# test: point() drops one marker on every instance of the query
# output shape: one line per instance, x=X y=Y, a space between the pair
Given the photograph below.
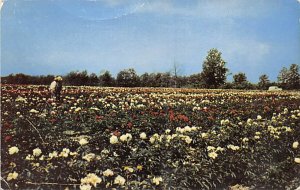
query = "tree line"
x=213 y=75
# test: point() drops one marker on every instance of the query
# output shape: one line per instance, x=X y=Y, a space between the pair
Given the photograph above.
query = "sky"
x=40 y=37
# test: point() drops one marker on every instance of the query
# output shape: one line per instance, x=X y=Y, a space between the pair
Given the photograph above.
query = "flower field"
x=149 y=138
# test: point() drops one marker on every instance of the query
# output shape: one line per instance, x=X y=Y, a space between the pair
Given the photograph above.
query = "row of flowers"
x=149 y=138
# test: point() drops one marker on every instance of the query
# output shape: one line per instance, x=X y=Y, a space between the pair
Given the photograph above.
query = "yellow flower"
x=12 y=176
x=119 y=180
x=37 y=152
x=13 y=150
x=89 y=157
x=113 y=139
x=295 y=144
x=85 y=187
x=83 y=142
x=108 y=172
x=157 y=180
x=128 y=169
x=297 y=160
x=213 y=155
x=143 y=136
x=91 y=179
x=139 y=167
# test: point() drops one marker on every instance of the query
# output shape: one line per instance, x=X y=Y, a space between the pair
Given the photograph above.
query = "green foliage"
x=182 y=128
x=128 y=78
x=264 y=82
x=289 y=78
x=214 y=70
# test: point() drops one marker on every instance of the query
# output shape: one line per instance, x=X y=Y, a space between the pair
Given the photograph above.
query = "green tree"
x=283 y=77
x=264 y=82
x=239 y=78
x=93 y=79
x=214 y=70
x=106 y=79
x=128 y=78
x=293 y=80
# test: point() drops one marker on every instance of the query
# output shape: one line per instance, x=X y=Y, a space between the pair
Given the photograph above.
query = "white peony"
x=36 y=152
x=83 y=142
x=143 y=136
x=295 y=144
x=108 y=172
x=12 y=176
x=157 y=180
x=119 y=180
x=113 y=139
x=13 y=150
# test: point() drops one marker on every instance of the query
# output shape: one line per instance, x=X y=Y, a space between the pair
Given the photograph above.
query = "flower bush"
x=149 y=138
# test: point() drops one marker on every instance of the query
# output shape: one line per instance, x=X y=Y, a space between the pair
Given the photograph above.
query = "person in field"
x=55 y=88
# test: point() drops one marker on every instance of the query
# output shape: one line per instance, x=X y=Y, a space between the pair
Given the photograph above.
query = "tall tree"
x=106 y=79
x=239 y=78
x=214 y=70
x=293 y=80
x=283 y=77
x=93 y=79
x=264 y=82
x=128 y=78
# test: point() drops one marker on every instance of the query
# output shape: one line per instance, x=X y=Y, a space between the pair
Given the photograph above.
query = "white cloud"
x=298 y=1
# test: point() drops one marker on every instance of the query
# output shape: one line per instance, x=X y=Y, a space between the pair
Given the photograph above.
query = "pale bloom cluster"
x=89 y=157
x=113 y=139
x=213 y=155
x=85 y=187
x=245 y=140
x=259 y=117
x=33 y=111
x=225 y=122
x=233 y=147
x=12 y=176
x=154 y=138
x=186 y=129
x=143 y=135
x=83 y=142
x=65 y=152
x=37 y=152
x=119 y=180
x=13 y=150
x=53 y=154
x=129 y=169
x=91 y=179
x=204 y=135
x=297 y=160
x=126 y=138
x=295 y=144
x=108 y=172
x=212 y=151
x=157 y=180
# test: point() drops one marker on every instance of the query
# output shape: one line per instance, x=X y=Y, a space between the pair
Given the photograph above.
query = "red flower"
x=7 y=138
x=99 y=117
x=117 y=133
x=129 y=124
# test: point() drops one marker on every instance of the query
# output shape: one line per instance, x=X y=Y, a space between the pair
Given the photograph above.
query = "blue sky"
x=58 y=36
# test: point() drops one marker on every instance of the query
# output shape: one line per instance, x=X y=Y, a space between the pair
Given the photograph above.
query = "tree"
x=214 y=70
x=128 y=78
x=283 y=77
x=264 y=82
x=239 y=78
x=77 y=78
x=145 y=80
x=289 y=78
x=106 y=79
x=93 y=79
x=293 y=80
